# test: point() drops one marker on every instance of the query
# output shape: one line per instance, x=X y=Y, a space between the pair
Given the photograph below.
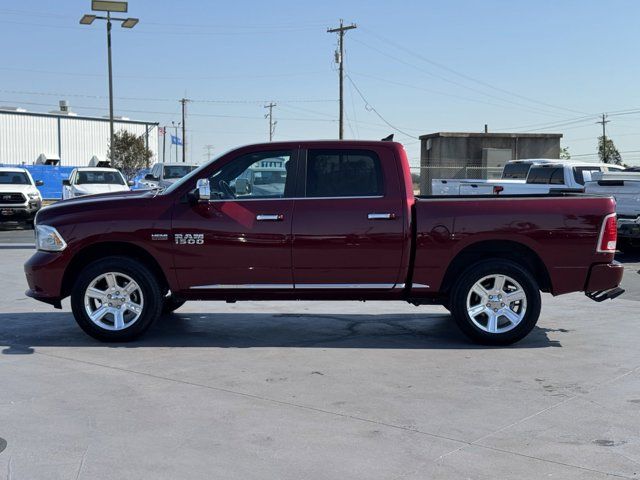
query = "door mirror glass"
x=39 y=183
x=149 y=176
x=203 y=191
x=66 y=182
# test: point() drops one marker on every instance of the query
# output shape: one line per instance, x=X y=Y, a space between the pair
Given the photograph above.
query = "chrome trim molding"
x=247 y=286
x=419 y=285
x=345 y=286
x=301 y=286
x=216 y=200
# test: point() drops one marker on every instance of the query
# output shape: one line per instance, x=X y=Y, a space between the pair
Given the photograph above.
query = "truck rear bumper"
x=603 y=277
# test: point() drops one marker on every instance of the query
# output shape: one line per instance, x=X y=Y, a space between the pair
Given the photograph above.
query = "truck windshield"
x=516 y=171
x=172 y=172
x=14 y=178
x=99 y=177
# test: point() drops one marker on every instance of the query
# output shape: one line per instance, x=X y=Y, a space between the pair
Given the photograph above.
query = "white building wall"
x=24 y=137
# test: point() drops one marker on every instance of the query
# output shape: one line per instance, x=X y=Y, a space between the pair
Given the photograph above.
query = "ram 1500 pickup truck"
x=343 y=225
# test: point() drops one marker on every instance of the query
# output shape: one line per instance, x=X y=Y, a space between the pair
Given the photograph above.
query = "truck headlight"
x=48 y=239
x=34 y=196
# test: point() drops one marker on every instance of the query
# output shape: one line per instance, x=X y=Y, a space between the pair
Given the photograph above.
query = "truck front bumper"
x=45 y=274
x=604 y=280
x=25 y=211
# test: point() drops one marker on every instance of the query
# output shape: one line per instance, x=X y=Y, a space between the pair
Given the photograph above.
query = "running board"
x=603 y=295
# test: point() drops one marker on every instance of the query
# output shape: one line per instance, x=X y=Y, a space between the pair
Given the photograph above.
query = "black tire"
x=476 y=272
x=149 y=288
x=171 y=304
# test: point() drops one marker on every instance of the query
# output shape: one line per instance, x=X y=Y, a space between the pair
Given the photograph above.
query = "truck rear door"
x=348 y=226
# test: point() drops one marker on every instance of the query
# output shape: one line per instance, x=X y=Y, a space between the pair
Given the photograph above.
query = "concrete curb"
x=17 y=245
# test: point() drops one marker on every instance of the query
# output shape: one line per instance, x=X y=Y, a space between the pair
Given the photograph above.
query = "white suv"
x=19 y=197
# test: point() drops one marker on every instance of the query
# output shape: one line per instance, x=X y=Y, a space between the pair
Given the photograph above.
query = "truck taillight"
x=608 y=235
x=497 y=189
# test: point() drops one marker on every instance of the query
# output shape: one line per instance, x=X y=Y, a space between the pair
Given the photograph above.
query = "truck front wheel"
x=116 y=299
x=496 y=302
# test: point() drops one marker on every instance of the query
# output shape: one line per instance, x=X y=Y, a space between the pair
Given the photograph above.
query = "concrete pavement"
x=318 y=390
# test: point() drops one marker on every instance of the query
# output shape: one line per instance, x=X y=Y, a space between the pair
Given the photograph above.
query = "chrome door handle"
x=270 y=217
x=381 y=216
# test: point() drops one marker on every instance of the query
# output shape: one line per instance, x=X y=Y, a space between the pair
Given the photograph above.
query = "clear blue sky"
x=423 y=66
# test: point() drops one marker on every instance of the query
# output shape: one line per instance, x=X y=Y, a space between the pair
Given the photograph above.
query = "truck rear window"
x=553 y=175
x=343 y=173
x=516 y=171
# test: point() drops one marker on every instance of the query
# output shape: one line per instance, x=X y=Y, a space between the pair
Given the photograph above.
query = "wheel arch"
x=503 y=249
x=101 y=250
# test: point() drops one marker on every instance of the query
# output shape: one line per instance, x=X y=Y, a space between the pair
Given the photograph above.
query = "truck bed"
x=563 y=244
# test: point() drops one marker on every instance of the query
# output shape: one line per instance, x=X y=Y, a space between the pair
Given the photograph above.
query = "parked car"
x=163 y=175
x=345 y=225
x=531 y=176
x=625 y=188
x=19 y=198
x=92 y=181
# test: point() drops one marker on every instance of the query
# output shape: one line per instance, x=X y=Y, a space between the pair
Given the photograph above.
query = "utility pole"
x=209 y=148
x=272 y=124
x=184 y=101
x=175 y=127
x=603 y=122
x=164 y=144
x=339 y=60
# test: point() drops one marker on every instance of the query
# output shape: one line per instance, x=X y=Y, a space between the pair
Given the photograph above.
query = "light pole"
x=109 y=6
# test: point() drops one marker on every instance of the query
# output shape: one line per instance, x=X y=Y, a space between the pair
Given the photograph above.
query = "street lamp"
x=109 y=6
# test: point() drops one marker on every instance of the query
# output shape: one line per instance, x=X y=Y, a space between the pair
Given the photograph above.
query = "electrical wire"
x=371 y=108
x=463 y=75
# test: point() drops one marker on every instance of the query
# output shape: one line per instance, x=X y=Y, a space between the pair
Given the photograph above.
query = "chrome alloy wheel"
x=113 y=301
x=496 y=303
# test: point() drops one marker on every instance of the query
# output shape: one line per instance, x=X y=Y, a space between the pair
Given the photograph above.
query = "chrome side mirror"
x=203 y=189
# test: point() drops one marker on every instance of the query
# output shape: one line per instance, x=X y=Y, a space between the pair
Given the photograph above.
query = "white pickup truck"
x=625 y=188
x=527 y=177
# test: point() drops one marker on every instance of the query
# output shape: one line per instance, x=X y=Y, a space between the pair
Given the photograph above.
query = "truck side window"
x=343 y=173
x=583 y=174
x=543 y=175
x=253 y=176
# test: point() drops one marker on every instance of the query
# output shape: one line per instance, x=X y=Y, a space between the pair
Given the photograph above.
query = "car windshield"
x=14 y=178
x=172 y=172
x=90 y=177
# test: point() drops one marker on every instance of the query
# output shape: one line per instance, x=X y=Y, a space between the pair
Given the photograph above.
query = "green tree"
x=608 y=152
x=564 y=153
x=129 y=153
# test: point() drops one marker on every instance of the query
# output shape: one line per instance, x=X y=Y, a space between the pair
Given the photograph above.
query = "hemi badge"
x=159 y=236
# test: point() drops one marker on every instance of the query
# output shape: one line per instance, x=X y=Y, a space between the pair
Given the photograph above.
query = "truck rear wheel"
x=116 y=299
x=496 y=302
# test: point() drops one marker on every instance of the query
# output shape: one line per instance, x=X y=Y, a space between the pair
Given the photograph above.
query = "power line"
x=370 y=108
x=465 y=76
x=459 y=84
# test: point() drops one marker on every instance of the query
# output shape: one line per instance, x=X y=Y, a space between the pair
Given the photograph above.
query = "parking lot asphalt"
x=319 y=390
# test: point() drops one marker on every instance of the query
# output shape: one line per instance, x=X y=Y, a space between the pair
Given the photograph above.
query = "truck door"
x=241 y=239
x=348 y=227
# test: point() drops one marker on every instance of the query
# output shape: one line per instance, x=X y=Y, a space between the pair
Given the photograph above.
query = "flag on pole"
x=175 y=140
x=161 y=131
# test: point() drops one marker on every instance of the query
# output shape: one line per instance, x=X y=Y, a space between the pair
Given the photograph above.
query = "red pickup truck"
x=320 y=220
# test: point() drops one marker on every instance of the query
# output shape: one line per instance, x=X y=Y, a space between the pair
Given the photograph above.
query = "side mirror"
x=131 y=183
x=150 y=177
x=242 y=186
x=65 y=182
x=39 y=183
x=203 y=190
